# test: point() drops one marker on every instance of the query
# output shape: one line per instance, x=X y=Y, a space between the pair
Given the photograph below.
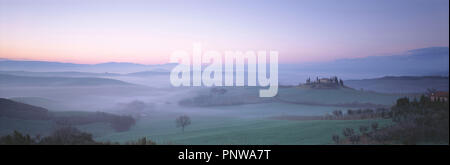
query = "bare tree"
x=183 y=121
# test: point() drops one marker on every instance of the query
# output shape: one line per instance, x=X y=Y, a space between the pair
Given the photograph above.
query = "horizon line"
x=125 y=62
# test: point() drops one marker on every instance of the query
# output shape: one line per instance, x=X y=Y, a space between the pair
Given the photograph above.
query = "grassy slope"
x=246 y=131
x=238 y=124
x=401 y=84
x=327 y=97
x=41 y=102
x=335 y=96
x=13 y=80
x=204 y=129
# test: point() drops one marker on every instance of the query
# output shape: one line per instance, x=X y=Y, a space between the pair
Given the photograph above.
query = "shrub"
x=17 y=139
x=348 y=132
x=68 y=136
x=336 y=138
x=63 y=136
x=354 y=139
x=141 y=141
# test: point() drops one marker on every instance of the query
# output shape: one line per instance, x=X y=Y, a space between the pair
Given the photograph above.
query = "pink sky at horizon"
x=146 y=32
x=163 y=60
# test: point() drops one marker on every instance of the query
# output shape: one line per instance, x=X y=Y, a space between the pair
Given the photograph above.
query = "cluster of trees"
x=216 y=96
x=118 y=123
x=361 y=114
x=216 y=99
x=420 y=120
x=63 y=136
x=352 y=137
x=222 y=97
x=135 y=108
x=141 y=141
x=122 y=123
x=332 y=82
x=415 y=122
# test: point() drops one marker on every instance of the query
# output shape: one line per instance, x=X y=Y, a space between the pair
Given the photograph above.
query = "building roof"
x=440 y=94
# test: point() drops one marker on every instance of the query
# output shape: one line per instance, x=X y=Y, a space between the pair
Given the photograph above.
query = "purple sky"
x=94 y=31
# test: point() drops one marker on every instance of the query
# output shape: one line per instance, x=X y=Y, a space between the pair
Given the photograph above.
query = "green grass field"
x=231 y=124
x=220 y=125
x=242 y=131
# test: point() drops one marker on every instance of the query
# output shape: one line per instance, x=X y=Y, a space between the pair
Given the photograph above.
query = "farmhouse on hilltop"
x=332 y=82
x=439 y=96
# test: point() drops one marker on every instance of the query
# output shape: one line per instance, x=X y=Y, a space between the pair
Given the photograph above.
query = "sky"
x=147 y=32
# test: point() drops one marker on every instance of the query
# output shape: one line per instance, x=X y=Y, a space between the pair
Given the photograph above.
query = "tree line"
x=63 y=136
x=415 y=121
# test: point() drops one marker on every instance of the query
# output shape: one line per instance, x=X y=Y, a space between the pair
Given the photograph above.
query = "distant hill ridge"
x=423 y=61
x=411 y=77
x=47 y=66
x=12 y=109
x=13 y=80
x=401 y=84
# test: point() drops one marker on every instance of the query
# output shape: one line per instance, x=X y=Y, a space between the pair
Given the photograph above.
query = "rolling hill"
x=59 y=74
x=14 y=114
x=401 y=84
x=13 y=80
x=47 y=66
x=417 y=62
x=12 y=109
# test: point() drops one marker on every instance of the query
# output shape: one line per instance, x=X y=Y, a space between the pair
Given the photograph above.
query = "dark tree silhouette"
x=354 y=139
x=348 y=132
x=183 y=121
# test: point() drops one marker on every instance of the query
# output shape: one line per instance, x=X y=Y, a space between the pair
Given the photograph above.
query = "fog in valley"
x=121 y=102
